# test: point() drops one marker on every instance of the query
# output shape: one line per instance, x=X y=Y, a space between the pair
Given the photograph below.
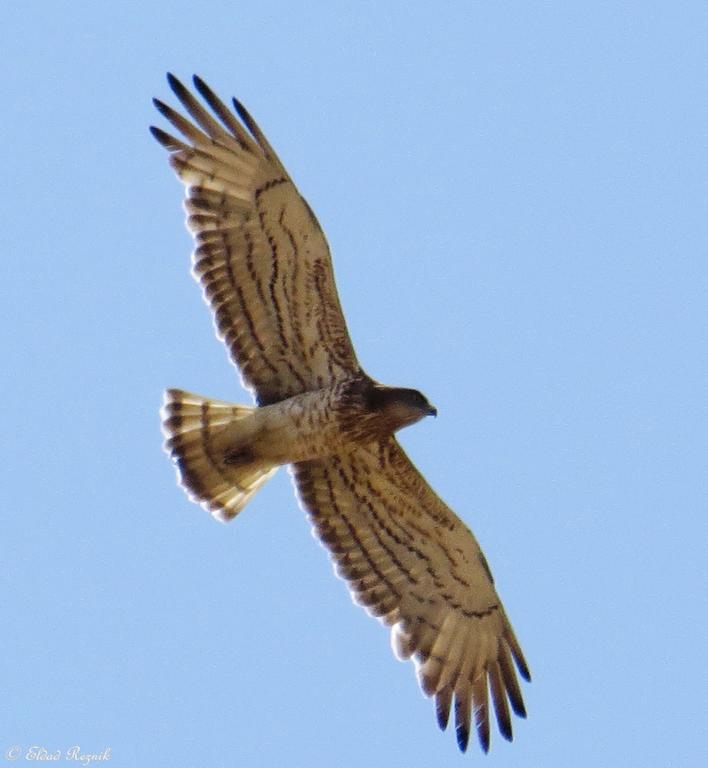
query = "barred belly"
x=310 y=426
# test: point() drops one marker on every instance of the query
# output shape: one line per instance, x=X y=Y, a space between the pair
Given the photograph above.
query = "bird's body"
x=337 y=419
x=266 y=272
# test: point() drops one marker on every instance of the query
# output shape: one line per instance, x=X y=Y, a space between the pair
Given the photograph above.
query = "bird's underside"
x=265 y=269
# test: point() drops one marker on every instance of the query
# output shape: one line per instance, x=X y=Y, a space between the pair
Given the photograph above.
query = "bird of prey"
x=265 y=269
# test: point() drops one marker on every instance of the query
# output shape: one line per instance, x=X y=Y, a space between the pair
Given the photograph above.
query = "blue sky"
x=516 y=199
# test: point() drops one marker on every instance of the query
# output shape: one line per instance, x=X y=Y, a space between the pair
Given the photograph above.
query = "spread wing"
x=261 y=256
x=412 y=562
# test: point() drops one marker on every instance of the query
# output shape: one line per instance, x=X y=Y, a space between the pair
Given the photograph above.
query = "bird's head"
x=399 y=407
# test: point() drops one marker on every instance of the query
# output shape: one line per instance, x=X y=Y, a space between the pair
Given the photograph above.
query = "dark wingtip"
x=481 y=717
x=519 y=707
x=200 y=85
x=177 y=88
x=160 y=135
x=248 y=121
x=463 y=736
x=505 y=730
x=161 y=107
x=240 y=110
x=442 y=709
x=523 y=669
x=518 y=655
x=483 y=733
x=165 y=139
x=207 y=94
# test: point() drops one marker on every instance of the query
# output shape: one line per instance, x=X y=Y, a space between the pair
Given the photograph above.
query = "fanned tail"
x=209 y=442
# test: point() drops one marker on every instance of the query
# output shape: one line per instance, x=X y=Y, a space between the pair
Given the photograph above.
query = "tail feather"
x=208 y=442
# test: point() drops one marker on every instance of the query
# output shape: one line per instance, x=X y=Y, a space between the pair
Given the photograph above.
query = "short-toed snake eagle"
x=265 y=269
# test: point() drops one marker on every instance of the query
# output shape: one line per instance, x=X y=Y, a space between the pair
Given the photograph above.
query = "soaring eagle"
x=266 y=272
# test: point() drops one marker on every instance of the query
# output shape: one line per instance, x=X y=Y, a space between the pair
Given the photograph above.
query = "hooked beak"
x=432 y=411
